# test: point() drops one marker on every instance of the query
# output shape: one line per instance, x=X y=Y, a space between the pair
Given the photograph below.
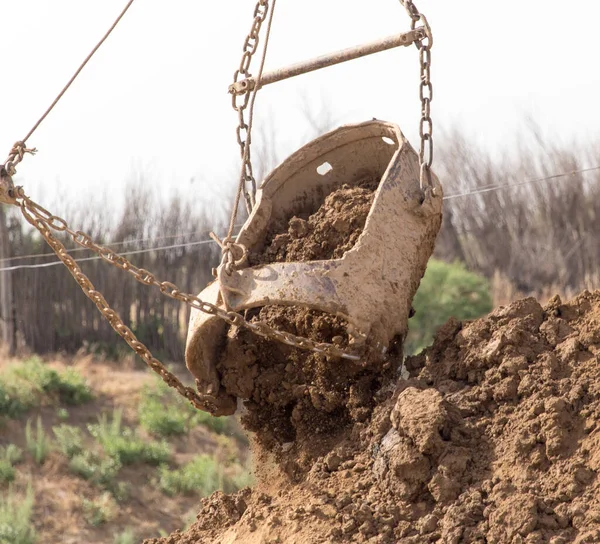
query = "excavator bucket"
x=371 y=286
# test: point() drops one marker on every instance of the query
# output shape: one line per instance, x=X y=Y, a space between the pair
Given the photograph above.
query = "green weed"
x=9 y=456
x=446 y=290
x=98 y=511
x=89 y=466
x=124 y=445
x=23 y=385
x=125 y=537
x=69 y=439
x=202 y=475
x=39 y=444
x=15 y=518
x=12 y=453
x=219 y=425
x=62 y=413
x=69 y=386
x=7 y=471
x=13 y=403
x=160 y=418
x=164 y=413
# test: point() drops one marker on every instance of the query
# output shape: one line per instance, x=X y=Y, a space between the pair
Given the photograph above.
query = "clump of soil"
x=294 y=397
x=299 y=399
x=326 y=234
x=495 y=438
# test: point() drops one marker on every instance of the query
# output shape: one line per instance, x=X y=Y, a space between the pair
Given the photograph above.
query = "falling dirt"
x=296 y=400
x=494 y=438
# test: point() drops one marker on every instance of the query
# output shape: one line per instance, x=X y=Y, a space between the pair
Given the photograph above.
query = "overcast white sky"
x=154 y=98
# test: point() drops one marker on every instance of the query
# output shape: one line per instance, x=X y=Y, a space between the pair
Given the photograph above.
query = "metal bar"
x=398 y=40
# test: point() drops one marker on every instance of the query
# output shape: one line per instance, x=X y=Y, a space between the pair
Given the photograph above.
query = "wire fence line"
x=124 y=254
x=499 y=187
x=51 y=314
x=470 y=192
x=109 y=244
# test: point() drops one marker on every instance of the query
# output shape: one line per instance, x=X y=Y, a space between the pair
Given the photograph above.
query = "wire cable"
x=490 y=188
x=137 y=240
x=471 y=192
x=134 y=252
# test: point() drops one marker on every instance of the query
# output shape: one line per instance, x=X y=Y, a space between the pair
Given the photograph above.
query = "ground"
x=490 y=435
x=98 y=494
x=493 y=438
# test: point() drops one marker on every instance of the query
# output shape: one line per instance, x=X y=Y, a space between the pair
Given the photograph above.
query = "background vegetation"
x=536 y=238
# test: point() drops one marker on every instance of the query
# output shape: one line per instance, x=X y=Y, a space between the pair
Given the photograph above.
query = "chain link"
x=425 y=92
x=240 y=101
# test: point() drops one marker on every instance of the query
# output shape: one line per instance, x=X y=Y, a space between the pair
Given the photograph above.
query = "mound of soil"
x=495 y=438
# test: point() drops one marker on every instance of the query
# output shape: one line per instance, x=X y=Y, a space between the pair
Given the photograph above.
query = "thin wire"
x=81 y=67
x=137 y=240
x=489 y=188
x=472 y=192
x=134 y=252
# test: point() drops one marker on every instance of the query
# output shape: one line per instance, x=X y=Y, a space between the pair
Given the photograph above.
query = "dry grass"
x=536 y=239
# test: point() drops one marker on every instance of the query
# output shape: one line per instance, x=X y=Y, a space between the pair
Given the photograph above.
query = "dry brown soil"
x=296 y=399
x=494 y=438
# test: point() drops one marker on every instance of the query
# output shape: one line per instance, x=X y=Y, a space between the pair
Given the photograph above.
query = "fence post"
x=7 y=307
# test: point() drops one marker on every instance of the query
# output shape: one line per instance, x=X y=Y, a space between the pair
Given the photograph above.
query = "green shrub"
x=68 y=386
x=7 y=471
x=163 y=412
x=98 y=511
x=124 y=445
x=15 y=518
x=9 y=456
x=69 y=439
x=219 y=425
x=62 y=413
x=22 y=385
x=446 y=290
x=100 y=472
x=160 y=418
x=11 y=403
x=125 y=537
x=12 y=453
x=39 y=444
x=202 y=475
x=73 y=389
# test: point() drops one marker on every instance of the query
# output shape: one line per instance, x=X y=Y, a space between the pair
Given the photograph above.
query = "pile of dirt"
x=495 y=438
x=296 y=399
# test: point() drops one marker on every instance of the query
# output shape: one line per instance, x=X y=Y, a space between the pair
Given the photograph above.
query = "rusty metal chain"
x=425 y=92
x=240 y=102
x=45 y=222
x=32 y=214
x=18 y=151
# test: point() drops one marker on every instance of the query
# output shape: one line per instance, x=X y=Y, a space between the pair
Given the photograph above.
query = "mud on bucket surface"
x=338 y=242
